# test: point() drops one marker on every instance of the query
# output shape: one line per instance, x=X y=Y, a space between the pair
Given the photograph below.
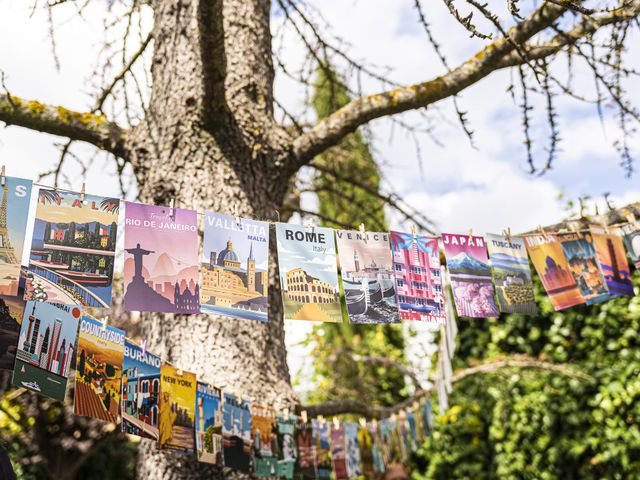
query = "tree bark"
x=213 y=147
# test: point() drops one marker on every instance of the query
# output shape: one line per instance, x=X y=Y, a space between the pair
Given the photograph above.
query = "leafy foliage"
x=535 y=424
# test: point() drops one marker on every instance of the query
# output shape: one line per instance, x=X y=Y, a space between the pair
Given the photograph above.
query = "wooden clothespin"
x=374 y=424
x=309 y=225
x=277 y=215
x=363 y=232
x=105 y=321
x=413 y=231
x=631 y=218
x=172 y=203
x=82 y=193
x=507 y=233
x=320 y=418
x=303 y=416
x=179 y=371
x=574 y=229
x=3 y=178
x=236 y=214
x=143 y=346
x=363 y=422
x=470 y=236
x=336 y=423
x=543 y=232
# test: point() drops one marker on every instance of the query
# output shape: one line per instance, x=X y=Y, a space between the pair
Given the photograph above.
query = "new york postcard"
x=366 y=269
x=140 y=392
x=470 y=273
x=46 y=347
x=11 y=313
x=161 y=259
x=209 y=424
x=98 y=370
x=613 y=262
x=234 y=275
x=263 y=426
x=73 y=249
x=236 y=433
x=308 y=273
x=511 y=274
x=550 y=262
x=177 y=410
x=581 y=256
x=14 y=211
x=418 y=277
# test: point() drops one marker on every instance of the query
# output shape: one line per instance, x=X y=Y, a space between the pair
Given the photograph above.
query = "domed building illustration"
x=226 y=284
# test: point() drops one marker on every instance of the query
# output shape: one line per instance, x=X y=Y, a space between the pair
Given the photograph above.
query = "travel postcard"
x=140 y=392
x=366 y=269
x=354 y=459
x=265 y=441
x=177 y=410
x=287 y=448
x=550 y=262
x=98 y=370
x=321 y=442
x=236 y=433
x=306 y=466
x=338 y=453
x=14 y=211
x=308 y=273
x=470 y=274
x=234 y=275
x=209 y=424
x=631 y=237
x=613 y=261
x=46 y=348
x=73 y=249
x=418 y=277
x=161 y=259
x=11 y=313
x=581 y=256
x=511 y=274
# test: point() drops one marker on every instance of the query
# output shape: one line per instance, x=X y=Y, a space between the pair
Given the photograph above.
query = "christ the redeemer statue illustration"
x=138 y=253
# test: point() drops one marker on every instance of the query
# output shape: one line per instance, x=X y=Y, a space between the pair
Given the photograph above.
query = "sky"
x=458 y=186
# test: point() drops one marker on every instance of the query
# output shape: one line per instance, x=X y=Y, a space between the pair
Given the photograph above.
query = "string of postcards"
x=386 y=277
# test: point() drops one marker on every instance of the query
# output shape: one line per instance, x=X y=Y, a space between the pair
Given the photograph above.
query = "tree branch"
x=498 y=54
x=56 y=120
x=357 y=407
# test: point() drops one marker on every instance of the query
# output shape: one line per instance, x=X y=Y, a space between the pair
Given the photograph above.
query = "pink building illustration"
x=416 y=267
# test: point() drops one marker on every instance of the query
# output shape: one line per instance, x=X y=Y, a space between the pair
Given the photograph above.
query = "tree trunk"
x=216 y=151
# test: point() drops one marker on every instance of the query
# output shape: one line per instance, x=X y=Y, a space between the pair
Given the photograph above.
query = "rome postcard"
x=234 y=275
x=308 y=273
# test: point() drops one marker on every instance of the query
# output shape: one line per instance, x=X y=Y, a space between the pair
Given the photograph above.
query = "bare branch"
x=499 y=54
x=332 y=129
x=56 y=120
x=360 y=408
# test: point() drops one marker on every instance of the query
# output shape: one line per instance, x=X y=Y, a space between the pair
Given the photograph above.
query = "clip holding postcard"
x=3 y=178
x=320 y=418
x=171 y=207
x=143 y=346
x=105 y=321
x=236 y=215
x=470 y=236
x=507 y=234
x=543 y=232
x=277 y=212
x=362 y=230
x=363 y=422
x=413 y=231
x=309 y=225
x=179 y=371
x=336 y=423
x=574 y=229
x=82 y=193
x=303 y=416
x=631 y=218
